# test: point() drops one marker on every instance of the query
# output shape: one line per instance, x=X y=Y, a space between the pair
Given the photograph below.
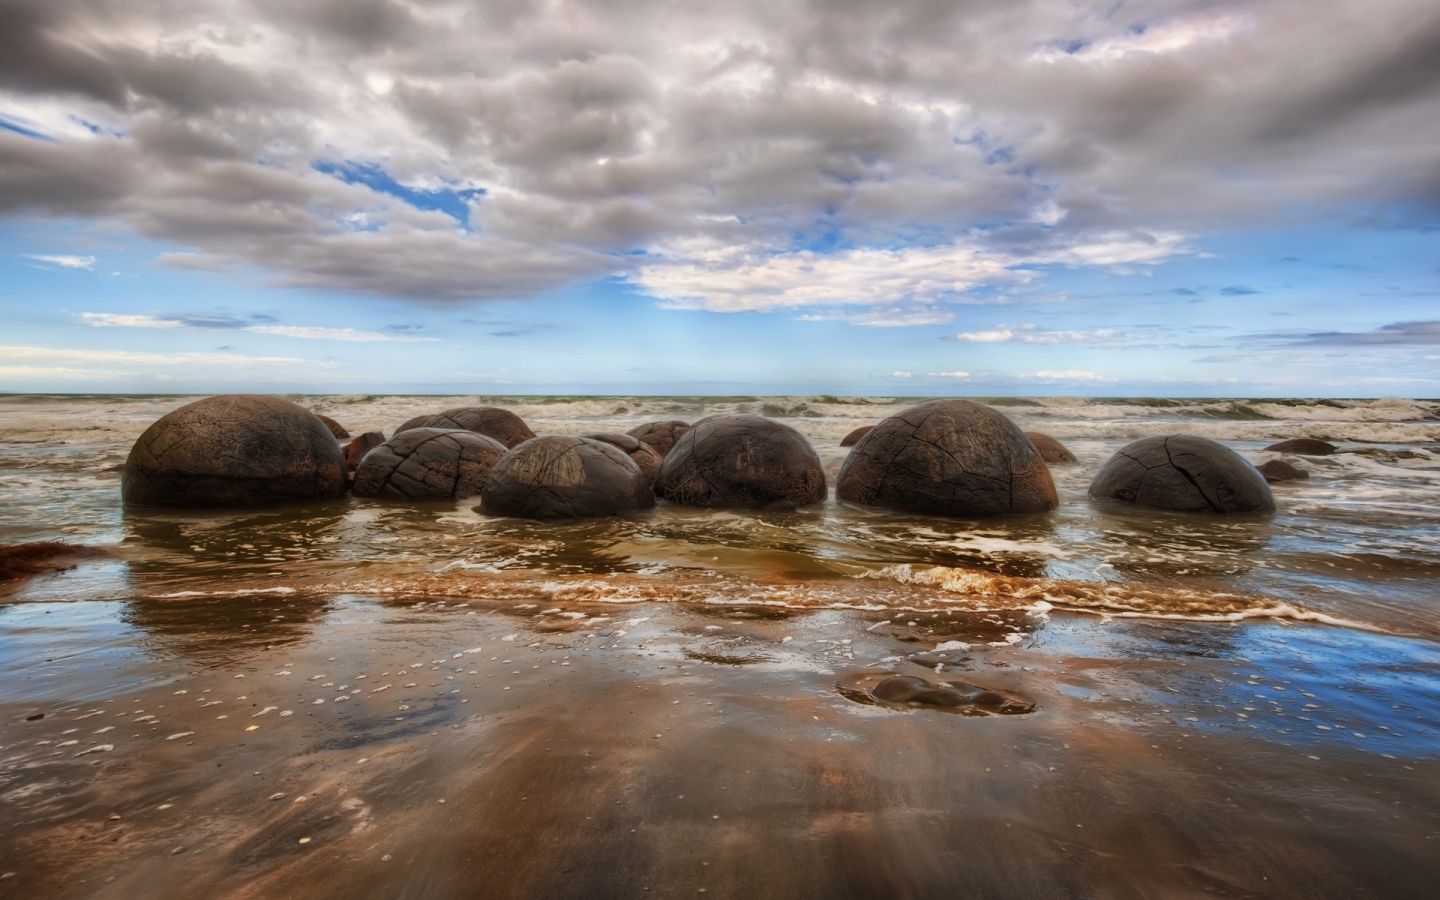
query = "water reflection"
x=1153 y=544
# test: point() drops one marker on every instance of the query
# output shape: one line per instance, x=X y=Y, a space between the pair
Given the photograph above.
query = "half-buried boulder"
x=742 y=462
x=361 y=445
x=948 y=458
x=1050 y=450
x=660 y=435
x=415 y=422
x=642 y=454
x=1277 y=470
x=428 y=464
x=491 y=421
x=1304 y=447
x=565 y=477
x=234 y=450
x=854 y=437
x=1184 y=473
x=335 y=427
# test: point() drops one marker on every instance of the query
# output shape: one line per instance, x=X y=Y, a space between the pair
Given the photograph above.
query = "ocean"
x=1300 y=648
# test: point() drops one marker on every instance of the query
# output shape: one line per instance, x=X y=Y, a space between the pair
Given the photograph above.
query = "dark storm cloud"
x=666 y=143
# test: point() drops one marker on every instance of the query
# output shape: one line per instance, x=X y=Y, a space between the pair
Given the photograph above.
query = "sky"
x=940 y=197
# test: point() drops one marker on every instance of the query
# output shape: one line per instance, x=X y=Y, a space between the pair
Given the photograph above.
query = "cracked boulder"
x=491 y=421
x=234 y=450
x=1183 y=473
x=948 y=458
x=642 y=454
x=742 y=462
x=1050 y=450
x=359 y=446
x=565 y=477
x=660 y=435
x=428 y=464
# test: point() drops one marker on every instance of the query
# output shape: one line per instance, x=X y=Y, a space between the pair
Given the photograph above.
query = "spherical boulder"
x=234 y=450
x=491 y=421
x=361 y=445
x=565 y=477
x=948 y=458
x=1277 y=470
x=742 y=462
x=854 y=437
x=642 y=454
x=1184 y=473
x=660 y=435
x=1050 y=450
x=1304 y=447
x=415 y=422
x=428 y=464
x=335 y=427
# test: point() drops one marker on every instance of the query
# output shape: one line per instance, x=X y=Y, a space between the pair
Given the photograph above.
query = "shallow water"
x=1220 y=706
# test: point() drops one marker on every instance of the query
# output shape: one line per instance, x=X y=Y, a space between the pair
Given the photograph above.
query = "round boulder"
x=360 y=446
x=642 y=454
x=234 y=450
x=428 y=464
x=1277 y=470
x=1304 y=447
x=491 y=421
x=335 y=427
x=948 y=458
x=565 y=477
x=1050 y=450
x=742 y=462
x=415 y=422
x=1184 y=473
x=854 y=437
x=660 y=435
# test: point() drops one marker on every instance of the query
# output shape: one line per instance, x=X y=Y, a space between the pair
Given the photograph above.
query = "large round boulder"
x=854 y=437
x=1278 y=470
x=1304 y=447
x=640 y=453
x=234 y=450
x=415 y=422
x=660 y=435
x=335 y=427
x=491 y=421
x=1184 y=473
x=742 y=462
x=428 y=464
x=948 y=458
x=565 y=477
x=1050 y=450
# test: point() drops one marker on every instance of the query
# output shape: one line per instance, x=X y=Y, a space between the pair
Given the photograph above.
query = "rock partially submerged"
x=1277 y=470
x=1184 y=473
x=948 y=458
x=952 y=695
x=1050 y=450
x=565 y=477
x=234 y=450
x=491 y=421
x=742 y=462
x=640 y=453
x=854 y=437
x=660 y=435
x=1304 y=447
x=428 y=464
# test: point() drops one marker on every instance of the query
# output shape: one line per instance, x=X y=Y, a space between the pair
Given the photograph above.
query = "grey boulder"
x=428 y=464
x=948 y=458
x=565 y=477
x=1184 y=473
x=742 y=462
x=234 y=450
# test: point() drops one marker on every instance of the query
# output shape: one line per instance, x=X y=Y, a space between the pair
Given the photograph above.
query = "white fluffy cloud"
x=307 y=332
x=66 y=261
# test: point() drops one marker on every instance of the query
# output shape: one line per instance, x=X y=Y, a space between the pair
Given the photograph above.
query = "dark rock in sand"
x=565 y=477
x=335 y=427
x=853 y=437
x=948 y=458
x=1304 y=447
x=234 y=450
x=642 y=454
x=491 y=421
x=660 y=435
x=428 y=464
x=1278 y=470
x=415 y=422
x=742 y=462
x=1185 y=473
x=953 y=696
x=360 y=446
x=1050 y=450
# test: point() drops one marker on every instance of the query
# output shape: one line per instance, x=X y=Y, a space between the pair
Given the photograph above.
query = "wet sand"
x=486 y=750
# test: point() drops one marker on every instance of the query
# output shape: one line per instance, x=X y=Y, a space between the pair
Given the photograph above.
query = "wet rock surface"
x=428 y=464
x=854 y=437
x=1303 y=447
x=491 y=421
x=642 y=454
x=948 y=458
x=335 y=427
x=234 y=450
x=414 y=422
x=742 y=462
x=660 y=435
x=1277 y=470
x=1183 y=473
x=565 y=477
x=1050 y=450
x=361 y=445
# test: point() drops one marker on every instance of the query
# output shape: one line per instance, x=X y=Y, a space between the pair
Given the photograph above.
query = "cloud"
x=900 y=374
x=1415 y=333
x=68 y=262
x=25 y=355
x=1046 y=376
x=307 y=332
x=960 y=376
x=1238 y=290
x=1030 y=334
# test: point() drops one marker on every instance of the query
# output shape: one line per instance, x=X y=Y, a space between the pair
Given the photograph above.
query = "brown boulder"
x=428 y=464
x=1050 y=450
x=415 y=422
x=1277 y=470
x=642 y=454
x=1304 y=447
x=948 y=458
x=565 y=477
x=1184 y=473
x=854 y=437
x=360 y=446
x=742 y=462
x=335 y=427
x=491 y=421
x=660 y=435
